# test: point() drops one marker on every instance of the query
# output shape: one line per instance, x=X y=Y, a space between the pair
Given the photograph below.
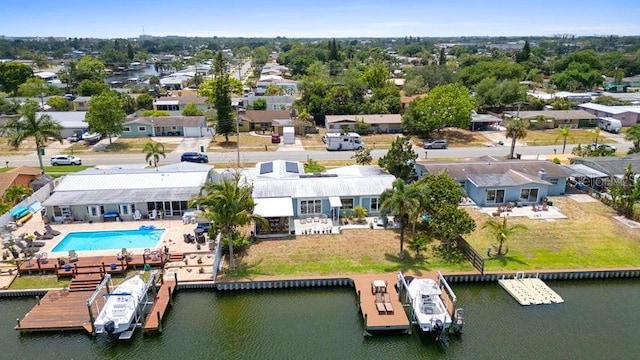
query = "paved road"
x=231 y=157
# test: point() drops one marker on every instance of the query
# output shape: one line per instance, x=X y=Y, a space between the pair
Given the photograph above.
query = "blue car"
x=194 y=157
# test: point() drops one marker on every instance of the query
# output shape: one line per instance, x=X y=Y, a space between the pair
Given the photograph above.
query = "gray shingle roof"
x=460 y=171
x=189 y=121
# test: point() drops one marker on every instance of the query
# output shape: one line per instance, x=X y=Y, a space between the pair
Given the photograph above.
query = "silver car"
x=436 y=144
x=65 y=160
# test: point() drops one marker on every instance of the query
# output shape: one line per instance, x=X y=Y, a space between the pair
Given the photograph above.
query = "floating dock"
x=374 y=320
x=530 y=290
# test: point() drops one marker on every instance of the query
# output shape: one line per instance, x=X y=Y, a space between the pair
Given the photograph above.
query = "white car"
x=65 y=160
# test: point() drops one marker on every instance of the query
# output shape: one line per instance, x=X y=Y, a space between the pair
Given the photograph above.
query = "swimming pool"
x=110 y=240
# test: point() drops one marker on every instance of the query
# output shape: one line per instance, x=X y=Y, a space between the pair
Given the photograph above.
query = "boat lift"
x=143 y=305
x=457 y=315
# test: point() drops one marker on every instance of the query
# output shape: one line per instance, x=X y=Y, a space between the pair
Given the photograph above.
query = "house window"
x=142 y=128
x=495 y=196
x=374 y=206
x=95 y=210
x=310 y=207
x=529 y=195
x=126 y=129
x=554 y=181
x=125 y=209
x=174 y=128
x=347 y=203
x=61 y=211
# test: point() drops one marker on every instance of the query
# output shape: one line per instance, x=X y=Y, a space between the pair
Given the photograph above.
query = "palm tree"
x=502 y=231
x=15 y=193
x=401 y=200
x=516 y=129
x=229 y=206
x=633 y=135
x=153 y=151
x=596 y=130
x=564 y=134
x=30 y=125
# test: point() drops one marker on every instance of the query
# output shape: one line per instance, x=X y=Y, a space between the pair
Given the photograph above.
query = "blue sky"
x=328 y=18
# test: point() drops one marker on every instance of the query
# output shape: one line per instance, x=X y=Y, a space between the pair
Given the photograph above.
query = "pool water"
x=110 y=240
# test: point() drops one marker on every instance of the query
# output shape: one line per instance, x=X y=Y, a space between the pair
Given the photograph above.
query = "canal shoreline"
x=348 y=280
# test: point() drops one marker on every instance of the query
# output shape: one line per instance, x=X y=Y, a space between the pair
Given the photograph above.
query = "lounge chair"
x=45 y=236
x=42 y=258
x=147 y=253
x=137 y=215
x=153 y=214
x=50 y=231
x=122 y=254
x=379 y=304
x=25 y=248
x=387 y=303
x=73 y=257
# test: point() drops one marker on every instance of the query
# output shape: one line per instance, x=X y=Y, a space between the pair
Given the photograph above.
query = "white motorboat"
x=121 y=307
x=428 y=308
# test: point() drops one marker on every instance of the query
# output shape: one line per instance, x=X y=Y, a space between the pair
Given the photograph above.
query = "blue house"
x=283 y=192
x=489 y=181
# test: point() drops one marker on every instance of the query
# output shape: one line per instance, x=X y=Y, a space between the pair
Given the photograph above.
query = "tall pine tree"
x=224 y=125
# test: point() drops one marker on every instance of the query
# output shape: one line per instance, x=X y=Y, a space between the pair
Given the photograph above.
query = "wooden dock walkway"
x=161 y=303
x=58 y=310
x=373 y=319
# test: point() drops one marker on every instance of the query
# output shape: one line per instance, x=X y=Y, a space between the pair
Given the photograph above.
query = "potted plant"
x=14 y=251
x=201 y=271
x=199 y=260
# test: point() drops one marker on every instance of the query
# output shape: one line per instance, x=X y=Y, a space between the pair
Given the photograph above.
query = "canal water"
x=598 y=320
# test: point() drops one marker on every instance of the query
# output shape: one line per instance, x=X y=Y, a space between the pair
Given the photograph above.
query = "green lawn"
x=589 y=238
x=38 y=282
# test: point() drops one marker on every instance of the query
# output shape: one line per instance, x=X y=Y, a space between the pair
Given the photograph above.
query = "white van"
x=343 y=141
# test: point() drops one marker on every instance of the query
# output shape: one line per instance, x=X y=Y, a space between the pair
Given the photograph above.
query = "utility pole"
x=238 y=124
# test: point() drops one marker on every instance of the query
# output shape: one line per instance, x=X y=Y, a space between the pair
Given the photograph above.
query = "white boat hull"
x=120 y=308
x=429 y=310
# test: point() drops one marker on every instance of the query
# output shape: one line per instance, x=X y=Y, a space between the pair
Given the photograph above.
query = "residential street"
x=231 y=157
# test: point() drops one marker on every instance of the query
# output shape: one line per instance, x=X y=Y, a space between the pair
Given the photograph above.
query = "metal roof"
x=132 y=180
x=315 y=187
x=580 y=170
x=510 y=178
x=108 y=196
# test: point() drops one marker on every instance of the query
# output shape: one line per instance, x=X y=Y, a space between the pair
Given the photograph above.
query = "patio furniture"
x=380 y=304
x=137 y=215
x=42 y=258
x=122 y=254
x=73 y=257
x=45 y=236
x=147 y=253
x=111 y=215
x=387 y=303
x=378 y=286
x=50 y=231
x=153 y=214
x=25 y=248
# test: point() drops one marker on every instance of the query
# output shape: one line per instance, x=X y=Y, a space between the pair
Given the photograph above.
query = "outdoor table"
x=378 y=286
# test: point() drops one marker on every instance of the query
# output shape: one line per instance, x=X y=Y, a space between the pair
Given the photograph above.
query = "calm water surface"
x=599 y=320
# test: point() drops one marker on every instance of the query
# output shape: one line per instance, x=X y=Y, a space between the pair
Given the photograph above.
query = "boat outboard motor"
x=110 y=327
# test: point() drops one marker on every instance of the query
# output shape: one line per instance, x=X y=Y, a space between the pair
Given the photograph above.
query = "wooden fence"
x=471 y=254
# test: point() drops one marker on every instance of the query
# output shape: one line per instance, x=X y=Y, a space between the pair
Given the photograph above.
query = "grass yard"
x=360 y=251
x=58 y=171
x=373 y=141
x=589 y=238
x=551 y=137
x=38 y=281
x=28 y=146
x=457 y=138
x=248 y=142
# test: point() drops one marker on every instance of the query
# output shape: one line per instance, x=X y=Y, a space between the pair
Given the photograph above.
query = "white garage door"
x=192 y=132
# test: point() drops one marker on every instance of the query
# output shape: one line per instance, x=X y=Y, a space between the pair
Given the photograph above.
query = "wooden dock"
x=373 y=319
x=58 y=310
x=161 y=303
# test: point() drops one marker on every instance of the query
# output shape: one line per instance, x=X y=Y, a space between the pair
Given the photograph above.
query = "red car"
x=275 y=138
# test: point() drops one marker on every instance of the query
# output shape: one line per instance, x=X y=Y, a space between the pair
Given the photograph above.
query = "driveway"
x=188 y=144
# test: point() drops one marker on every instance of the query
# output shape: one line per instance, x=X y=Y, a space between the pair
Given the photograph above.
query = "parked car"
x=65 y=160
x=194 y=157
x=602 y=147
x=436 y=144
x=275 y=138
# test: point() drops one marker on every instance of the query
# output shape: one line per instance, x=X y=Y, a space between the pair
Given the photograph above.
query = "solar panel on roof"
x=266 y=168
x=291 y=167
